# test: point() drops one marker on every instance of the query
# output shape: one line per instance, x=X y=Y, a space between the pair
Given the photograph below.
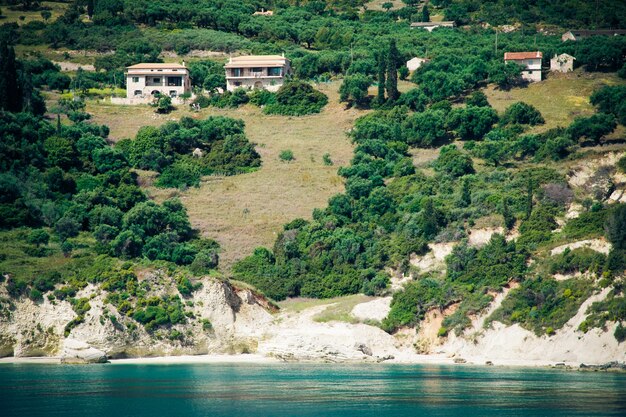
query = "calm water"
x=305 y=390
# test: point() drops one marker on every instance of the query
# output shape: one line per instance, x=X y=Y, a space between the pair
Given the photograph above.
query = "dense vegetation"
x=66 y=195
x=184 y=151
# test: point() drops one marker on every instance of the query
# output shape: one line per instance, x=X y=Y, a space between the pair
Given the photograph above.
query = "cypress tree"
x=509 y=218
x=10 y=94
x=466 y=193
x=90 y=8
x=425 y=14
x=382 y=67
x=392 y=71
x=529 y=199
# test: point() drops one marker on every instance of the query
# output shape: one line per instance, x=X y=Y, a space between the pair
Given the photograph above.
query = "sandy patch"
x=480 y=237
x=373 y=310
x=435 y=259
x=71 y=66
x=598 y=245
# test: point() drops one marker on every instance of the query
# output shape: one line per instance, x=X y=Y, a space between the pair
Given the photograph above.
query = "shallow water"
x=305 y=390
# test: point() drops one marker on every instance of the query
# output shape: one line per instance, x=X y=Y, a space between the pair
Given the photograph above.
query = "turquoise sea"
x=111 y=390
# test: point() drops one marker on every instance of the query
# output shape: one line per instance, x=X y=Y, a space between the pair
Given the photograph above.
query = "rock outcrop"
x=235 y=317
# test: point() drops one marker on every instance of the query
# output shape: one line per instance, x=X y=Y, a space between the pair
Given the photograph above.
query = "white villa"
x=562 y=63
x=430 y=26
x=256 y=72
x=415 y=63
x=143 y=81
x=531 y=61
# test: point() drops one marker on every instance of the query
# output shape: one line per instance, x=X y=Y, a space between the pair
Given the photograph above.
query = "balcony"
x=253 y=75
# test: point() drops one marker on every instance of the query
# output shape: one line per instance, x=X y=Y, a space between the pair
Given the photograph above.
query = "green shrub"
x=620 y=330
x=522 y=113
x=616 y=226
x=204 y=262
x=587 y=224
x=286 y=155
x=409 y=306
x=72 y=324
x=453 y=162
x=478 y=99
x=67 y=227
x=181 y=174
x=163 y=104
x=593 y=128
x=578 y=260
x=353 y=89
x=262 y=97
x=543 y=305
x=297 y=98
x=621 y=164
x=471 y=122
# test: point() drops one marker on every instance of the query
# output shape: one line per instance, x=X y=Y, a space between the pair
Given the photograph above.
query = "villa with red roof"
x=531 y=61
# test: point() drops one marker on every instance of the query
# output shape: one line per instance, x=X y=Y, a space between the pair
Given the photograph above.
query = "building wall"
x=272 y=84
x=557 y=66
x=147 y=87
x=531 y=75
x=414 y=64
x=251 y=80
x=532 y=70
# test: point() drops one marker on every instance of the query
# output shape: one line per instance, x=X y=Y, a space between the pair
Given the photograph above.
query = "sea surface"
x=112 y=390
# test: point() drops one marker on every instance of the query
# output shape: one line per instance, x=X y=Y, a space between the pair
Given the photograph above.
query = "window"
x=257 y=69
x=237 y=84
x=156 y=80
x=275 y=72
x=237 y=72
x=137 y=93
x=172 y=93
x=135 y=79
x=174 y=81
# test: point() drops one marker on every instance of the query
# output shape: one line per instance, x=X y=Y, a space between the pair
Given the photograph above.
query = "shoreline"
x=264 y=360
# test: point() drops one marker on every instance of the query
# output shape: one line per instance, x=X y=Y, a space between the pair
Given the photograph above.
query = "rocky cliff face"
x=220 y=319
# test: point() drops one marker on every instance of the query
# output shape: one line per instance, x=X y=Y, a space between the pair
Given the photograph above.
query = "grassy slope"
x=246 y=211
x=560 y=98
x=10 y=16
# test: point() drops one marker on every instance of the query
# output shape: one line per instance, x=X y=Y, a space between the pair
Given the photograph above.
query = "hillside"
x=456 y=210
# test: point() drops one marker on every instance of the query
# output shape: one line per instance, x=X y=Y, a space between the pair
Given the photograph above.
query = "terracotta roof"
x=157 y=66
x=514 y=56
x=257 y=61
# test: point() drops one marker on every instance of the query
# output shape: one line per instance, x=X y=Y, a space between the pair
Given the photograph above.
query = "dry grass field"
x=10 y=16
x=560 y=98
x=245 y=211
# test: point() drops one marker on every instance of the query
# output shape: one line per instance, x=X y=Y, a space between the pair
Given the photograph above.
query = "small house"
x=415 y=63
x=263 y=12
x=531 y=61
x=257 y=72
x=146 y=80
x=430 y=26
x=578 y=34
x=562 y=63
